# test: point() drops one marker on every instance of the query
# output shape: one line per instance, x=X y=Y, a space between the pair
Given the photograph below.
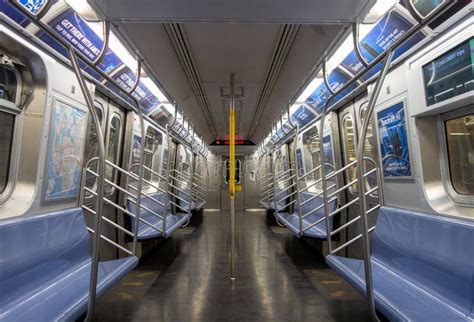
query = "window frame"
x=98 y=105
x=353 y=189
x=238 y=165
x=115 y=174
x=456 y=197
x=14 y=109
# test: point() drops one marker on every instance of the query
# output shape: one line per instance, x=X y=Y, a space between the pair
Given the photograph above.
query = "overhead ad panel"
x=302 y=116
x=126 y=78
x=384 y=34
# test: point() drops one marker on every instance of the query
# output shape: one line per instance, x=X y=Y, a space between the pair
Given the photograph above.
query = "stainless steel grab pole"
x=100 y=182
x=362 y=187
x=232 y=177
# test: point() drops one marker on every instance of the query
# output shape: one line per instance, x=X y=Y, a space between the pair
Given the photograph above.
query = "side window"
x=92 y=148
x=312 y=156
x=460 y=144
x=237 y=171
x=348 y=128
x=113 y=146
x=370 y=147
x=152 y=154
x=8 y=84
x=7 y=123
x=10 y=87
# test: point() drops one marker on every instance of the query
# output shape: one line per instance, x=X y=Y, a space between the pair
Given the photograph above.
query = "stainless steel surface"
x=100 y=183
x=232 y=193
x=362 y=185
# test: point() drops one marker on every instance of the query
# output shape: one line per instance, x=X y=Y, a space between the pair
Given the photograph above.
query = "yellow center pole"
x=232 y=177
x=232 y=153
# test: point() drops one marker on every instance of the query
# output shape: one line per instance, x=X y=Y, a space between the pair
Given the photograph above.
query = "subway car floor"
x=186 y=278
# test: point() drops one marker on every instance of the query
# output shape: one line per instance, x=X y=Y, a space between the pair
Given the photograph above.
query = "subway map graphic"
x=66 y=141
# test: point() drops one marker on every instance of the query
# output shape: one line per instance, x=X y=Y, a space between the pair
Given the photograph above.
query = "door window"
x=113 y=150
x=7 y=123
x=349 y=131
x=237 y=171
x=460 y=144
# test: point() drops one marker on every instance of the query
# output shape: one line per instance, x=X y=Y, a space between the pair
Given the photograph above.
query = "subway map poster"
x=66 y=144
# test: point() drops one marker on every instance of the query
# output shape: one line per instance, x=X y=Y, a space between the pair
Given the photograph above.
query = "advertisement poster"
x=14 y=14
x=126 y=79
x=302 y=116
x=33 y=6
x=336 y=79
x=319 y=97
x=66 y=144
x=384 y=34
x=393 y=138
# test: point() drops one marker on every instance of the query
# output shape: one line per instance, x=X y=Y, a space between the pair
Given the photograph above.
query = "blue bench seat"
x=173 y=221
x=264 y=204
x=422 y=267
x=291 y=220
x=45 y=267
x=198 y=205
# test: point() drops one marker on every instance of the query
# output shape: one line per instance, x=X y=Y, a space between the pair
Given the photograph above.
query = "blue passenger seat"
x=45 y=267
x=422 y=267
x=264 y=204
x=291 y=220
x=173 y=221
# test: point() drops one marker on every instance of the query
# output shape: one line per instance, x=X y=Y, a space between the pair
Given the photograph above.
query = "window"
x=8 y=84
x=237 y=171
x=10 y=87
x=113 y=146
x=92 y=148
x=312 y=157
x=370 y=148
x=350 y=149
x=460 y=144
x=7 y=122
x=152 y=154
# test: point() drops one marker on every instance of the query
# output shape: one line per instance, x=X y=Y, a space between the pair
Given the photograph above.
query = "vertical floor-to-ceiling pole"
x=232 y=176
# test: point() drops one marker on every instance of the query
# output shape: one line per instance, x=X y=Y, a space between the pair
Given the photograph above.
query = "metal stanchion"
x=232 y=177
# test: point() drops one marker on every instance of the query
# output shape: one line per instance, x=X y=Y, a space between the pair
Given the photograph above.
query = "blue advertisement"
x=336 y=79
x=393 y=138
x=69 y=26
x=280 y=132
x=384 y=34
x=33 y=6
x=319 y=97
x=126 y=79
x=302 y=116
x=14 y=14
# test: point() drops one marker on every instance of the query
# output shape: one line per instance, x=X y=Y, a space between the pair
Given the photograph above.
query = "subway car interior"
x=197 y=160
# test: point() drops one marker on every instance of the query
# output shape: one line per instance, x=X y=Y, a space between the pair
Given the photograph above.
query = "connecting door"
x=239 y=182
x=350 y=121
